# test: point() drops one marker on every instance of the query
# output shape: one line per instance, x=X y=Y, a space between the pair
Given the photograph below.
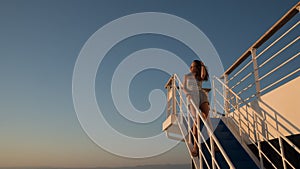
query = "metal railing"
x=269 y=62
x=178 y=105
x=251 y=123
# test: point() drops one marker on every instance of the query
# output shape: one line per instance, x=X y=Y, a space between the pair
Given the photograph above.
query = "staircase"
x=179 y=123
x=239 y=157
x=250 y=132
x=236 y=147
x=291 y=155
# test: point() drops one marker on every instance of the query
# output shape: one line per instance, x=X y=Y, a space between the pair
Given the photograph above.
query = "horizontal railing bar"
x=233 y=98
x=230 y=104
x=220 y=105
x=261 y=118
x=278 y=67
x=194 y=137
x=240 y=113
x=246 y=124
x=205 y=160
x=282 y=136
x=193 y=120
x=254 y=143
x=266 y=140
x=185 y=140
x=246 y=88
x=273 y=43
x=288 y=16
x=250 y=130
x=233 y=106
x=277 y=114
x=286 y=160
x=243 y=130
x=242 y=69
x=281 y=50
x=248 y=75
x=268 y=159
x=207 y=146
x=274 y=148
x=211 y=134
x=278 y=81
x=252 y=96
x=219 y=92
x=272 y=136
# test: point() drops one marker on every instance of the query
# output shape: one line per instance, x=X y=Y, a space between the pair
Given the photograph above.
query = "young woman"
x=192 y=86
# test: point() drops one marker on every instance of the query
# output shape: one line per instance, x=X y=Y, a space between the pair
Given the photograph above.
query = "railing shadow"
x=276 y=120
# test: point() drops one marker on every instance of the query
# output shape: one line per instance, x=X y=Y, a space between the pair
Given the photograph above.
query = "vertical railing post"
x=226 y=95
x=199 y=140
x=249 y=124
x=282 y=152
x=258 y=142
x=256 y=75
x=168 y=99
x=240 y=121
x=212 y=149
x=174 y=95
x=189 y=122
x=258 y=94
x=180 y=105
x=215 y=99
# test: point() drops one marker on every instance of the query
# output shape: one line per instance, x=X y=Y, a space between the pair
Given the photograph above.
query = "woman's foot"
x=195 y=152
x=216 y=148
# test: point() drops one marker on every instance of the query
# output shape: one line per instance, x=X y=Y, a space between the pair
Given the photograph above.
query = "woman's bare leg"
x=204 y=107
x=205 y=112
x=194 y=131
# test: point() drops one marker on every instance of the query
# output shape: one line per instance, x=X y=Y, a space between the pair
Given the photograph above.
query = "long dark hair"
x=199 y=64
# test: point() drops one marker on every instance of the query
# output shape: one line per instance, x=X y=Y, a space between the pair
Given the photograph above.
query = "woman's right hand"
x=188 y=96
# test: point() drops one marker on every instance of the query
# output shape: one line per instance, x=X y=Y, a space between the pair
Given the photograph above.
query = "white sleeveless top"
x=193 y=85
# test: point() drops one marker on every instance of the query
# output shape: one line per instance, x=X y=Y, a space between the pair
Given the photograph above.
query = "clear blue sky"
x=40 y=42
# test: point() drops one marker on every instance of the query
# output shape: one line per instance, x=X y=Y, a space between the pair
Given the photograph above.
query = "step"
x=232 y=147
x=290 y=154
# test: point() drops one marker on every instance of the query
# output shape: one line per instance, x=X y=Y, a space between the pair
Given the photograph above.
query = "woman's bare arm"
x=203 y=71
x=185 y=90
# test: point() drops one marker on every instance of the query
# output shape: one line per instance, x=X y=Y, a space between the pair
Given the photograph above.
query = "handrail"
x=290 y=14
x=280 y=52
x=181 y=102
x=260 y=101
x=278 y=67
x=260 y=133
x=278 y=39
x=257 y=115
x=208 y=127
x=278 y=81
x=243 y=79
x=236 y=104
